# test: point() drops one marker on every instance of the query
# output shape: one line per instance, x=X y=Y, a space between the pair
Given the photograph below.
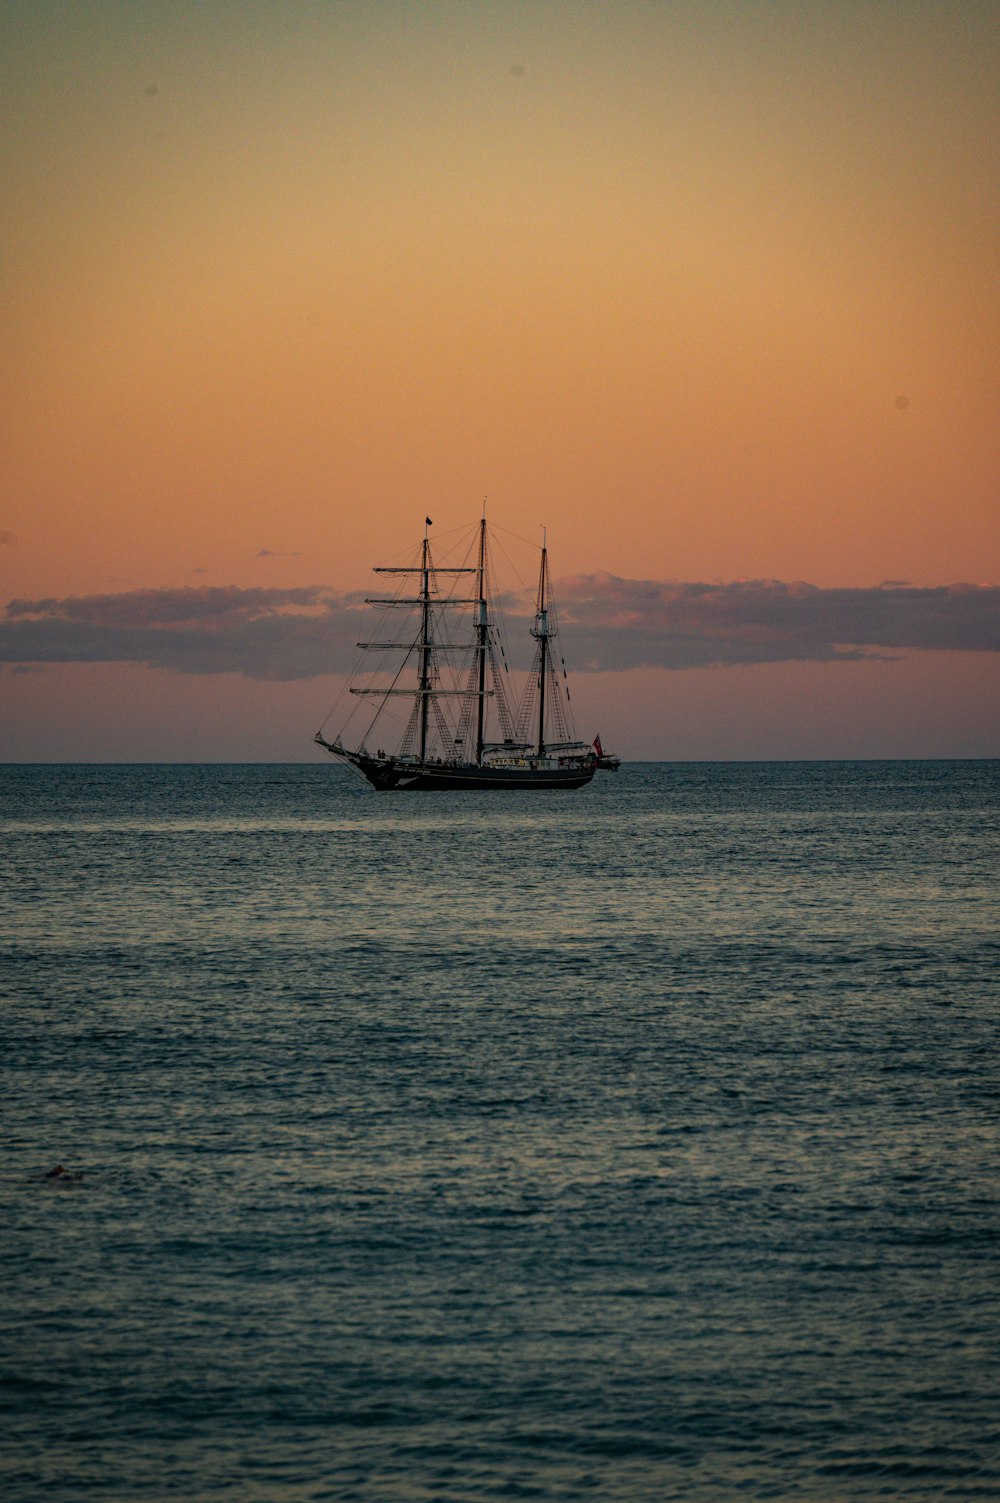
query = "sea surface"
x=639 y=1143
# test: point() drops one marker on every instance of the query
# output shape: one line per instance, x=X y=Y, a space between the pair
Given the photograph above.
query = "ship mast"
x=482 y=639
x=424 y=681
x=424 y=691
x=540 y=632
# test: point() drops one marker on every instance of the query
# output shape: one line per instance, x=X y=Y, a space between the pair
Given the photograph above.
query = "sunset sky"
x=708 y=289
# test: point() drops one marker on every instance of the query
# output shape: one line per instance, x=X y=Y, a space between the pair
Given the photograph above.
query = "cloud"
x=607 y=624
x=261 y=633
x=627 y=623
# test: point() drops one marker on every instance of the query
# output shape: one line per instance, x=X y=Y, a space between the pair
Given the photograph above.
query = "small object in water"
x=56 y=1173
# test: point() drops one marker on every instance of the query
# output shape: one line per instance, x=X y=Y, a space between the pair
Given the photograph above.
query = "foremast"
x=427 y=689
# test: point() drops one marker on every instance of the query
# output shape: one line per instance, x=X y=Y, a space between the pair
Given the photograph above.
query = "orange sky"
x=710 y=290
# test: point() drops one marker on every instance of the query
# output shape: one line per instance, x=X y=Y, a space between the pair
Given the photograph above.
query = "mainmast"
x=424 y=682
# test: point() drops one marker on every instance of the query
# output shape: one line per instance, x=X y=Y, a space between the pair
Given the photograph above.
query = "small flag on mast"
x=428 y=521
x=597 y=746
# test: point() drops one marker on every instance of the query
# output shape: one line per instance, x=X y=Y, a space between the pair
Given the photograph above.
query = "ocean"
x=639 y=1143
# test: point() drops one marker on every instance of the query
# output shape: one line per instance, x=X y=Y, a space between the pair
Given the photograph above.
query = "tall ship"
x=437 y=702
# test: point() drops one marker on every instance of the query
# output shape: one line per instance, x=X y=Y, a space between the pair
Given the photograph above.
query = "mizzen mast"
x=541 y=633
x=482 y=639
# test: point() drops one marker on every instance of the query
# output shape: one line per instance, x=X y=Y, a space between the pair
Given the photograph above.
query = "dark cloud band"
x=627 y=623
x=610 y=624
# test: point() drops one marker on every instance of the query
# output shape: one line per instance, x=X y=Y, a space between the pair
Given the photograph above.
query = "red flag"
x=597 y=746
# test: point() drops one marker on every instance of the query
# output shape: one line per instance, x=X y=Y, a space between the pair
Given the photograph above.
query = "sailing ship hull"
x=387 y=775
x=446 y=742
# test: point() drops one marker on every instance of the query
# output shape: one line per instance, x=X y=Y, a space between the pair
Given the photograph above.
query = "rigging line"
x=528 y=589
x=355 y=671
x=336 y=704
x=468 y=536
x=449 y=532
x=382 y=624
x=378 y=712
x=406 y=557
x=440 y=534
x=496 y=601
x=409 y=736
x=445 y=729
x=377 y=670
x=345 y=686
x=495 y=527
